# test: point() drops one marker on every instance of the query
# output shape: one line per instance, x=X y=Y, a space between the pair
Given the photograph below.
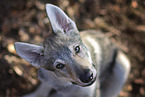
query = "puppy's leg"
x=42 y=91
x=115 y=81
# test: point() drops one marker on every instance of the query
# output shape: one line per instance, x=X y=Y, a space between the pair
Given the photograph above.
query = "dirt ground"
x=123 y=21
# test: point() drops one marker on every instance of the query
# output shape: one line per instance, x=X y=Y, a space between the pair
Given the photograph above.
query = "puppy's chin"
x=84 y=84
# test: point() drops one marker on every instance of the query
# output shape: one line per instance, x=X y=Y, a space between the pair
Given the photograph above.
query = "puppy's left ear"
x=30 y=52
x=60 y=22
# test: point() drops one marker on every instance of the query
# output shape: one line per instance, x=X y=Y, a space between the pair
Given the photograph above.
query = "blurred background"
x=123 y=21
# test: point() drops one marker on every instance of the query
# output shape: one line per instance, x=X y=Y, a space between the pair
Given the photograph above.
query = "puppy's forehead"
x=55 y=44
x=60 y=47
x=61 y=40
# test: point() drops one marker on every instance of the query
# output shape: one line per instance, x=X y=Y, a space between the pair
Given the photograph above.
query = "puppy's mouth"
x=79 y=83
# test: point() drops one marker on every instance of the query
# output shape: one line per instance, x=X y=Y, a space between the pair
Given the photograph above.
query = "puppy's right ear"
x=30 y=52
x=60 y=22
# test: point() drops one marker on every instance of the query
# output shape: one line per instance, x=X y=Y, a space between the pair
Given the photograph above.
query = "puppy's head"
x=69 y=58
x=63 y=52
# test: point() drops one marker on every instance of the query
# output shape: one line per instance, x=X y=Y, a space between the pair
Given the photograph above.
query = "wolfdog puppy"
x=73 y=64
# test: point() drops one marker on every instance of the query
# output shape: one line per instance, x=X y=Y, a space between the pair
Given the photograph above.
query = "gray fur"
x=99 y=69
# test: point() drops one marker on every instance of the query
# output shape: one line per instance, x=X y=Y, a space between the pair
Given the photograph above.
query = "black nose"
x=86 y=76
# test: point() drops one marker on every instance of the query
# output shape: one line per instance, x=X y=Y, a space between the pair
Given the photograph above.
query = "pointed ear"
x=30 y=52
x=60 y=22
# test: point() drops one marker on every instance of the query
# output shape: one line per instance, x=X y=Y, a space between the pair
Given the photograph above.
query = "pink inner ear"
x=64 y=22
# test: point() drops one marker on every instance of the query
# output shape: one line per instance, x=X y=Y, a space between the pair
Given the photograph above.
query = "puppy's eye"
x=60 y=66
x=77 y=49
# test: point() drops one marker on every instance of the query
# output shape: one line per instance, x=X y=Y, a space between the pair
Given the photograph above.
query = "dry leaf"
x=134 y=4
x=11 y=48
x=18 y=70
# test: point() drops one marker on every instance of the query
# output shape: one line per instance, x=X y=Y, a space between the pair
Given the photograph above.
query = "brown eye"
x=60 y=66
x=77 y=49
